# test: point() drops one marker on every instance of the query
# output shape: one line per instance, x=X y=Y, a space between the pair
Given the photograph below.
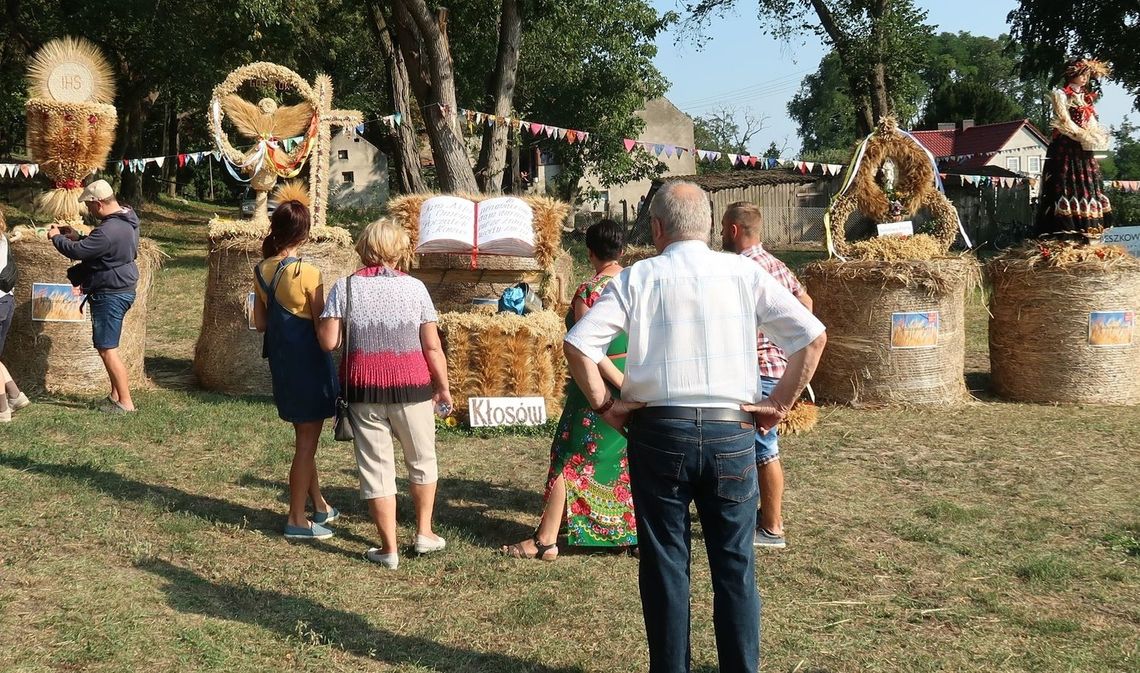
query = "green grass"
x=995 y=537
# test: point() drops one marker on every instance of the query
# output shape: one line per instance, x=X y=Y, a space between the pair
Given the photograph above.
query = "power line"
x=752 y=88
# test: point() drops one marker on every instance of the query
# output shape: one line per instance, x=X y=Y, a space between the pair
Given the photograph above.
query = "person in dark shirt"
x=108 y=275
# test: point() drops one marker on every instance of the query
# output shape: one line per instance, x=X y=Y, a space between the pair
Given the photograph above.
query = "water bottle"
x=442 y=409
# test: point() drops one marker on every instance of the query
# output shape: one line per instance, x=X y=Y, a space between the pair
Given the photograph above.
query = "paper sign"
x=485 y=412
x=904 y=228
x=915 y=330
x=1129 y=237
x=1111 y=328
x=57 y=302
x=249 y=301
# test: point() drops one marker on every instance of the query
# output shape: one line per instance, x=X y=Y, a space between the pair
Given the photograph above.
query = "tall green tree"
x=1054 y=31
x=880 y=44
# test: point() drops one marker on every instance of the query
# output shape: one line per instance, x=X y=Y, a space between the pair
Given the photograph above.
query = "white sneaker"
x=389 y=561
x=6 y=416
x=19 y=402
x=426 y=545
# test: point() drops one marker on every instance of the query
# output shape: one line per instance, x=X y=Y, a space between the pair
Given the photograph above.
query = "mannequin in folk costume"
x=1072 y=203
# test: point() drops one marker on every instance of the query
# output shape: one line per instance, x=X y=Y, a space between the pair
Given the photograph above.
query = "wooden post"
x=319 y=169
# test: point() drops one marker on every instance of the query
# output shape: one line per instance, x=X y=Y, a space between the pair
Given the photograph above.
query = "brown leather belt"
x=697 y=414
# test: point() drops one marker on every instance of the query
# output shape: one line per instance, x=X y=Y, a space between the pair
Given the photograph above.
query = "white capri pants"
x=374 y=426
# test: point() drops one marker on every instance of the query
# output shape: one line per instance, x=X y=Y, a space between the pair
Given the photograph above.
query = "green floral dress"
x=590 y=455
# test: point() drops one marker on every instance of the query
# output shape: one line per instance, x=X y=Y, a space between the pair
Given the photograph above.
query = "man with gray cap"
x=107 y=274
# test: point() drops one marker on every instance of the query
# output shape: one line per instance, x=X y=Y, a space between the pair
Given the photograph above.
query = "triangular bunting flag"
x=571 y=136
x=397 y=118
x=713 y=156
x=669 y=150
x=561 y=133
x=583 y=136
x=536 y=129
x=751 y=160
x=181 y=160
x=5 y=170
x=810 y=166
x=628 y=144
x=159 y=161
x=803 y=167
x=524 y=125
x=658 y=149
x=732 y=158
x=24 y=168
x=551 y=131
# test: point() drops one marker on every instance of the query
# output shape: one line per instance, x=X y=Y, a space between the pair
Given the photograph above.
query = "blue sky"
x=742 y=67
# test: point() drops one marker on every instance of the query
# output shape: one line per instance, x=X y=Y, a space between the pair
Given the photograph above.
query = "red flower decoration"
x=580 y=507
x=630 y=520
x=622 y=494
x=624 y=477
x=585 y=422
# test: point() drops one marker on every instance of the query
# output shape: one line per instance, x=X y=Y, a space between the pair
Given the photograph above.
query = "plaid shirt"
x=772 y=360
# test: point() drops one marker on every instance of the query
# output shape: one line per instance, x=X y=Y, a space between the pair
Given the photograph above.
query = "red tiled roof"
x=980 y=141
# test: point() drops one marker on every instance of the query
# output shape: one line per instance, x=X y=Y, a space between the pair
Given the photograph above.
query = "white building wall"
x=358 y=173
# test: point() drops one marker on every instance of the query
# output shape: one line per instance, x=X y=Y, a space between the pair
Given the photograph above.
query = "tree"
x=1124 y=161
x=823 y=109
x=1055 y=31
x=727 y=131
x=493 y=153
x=879 y=44
x=969 y=100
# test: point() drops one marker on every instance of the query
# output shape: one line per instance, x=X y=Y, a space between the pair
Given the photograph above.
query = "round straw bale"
x=452 y=283
x=57 y=357
x=1045 y=345
x=871 y=358
x=227 y=357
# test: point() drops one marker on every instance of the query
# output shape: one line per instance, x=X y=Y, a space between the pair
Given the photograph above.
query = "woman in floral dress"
x=588 y=482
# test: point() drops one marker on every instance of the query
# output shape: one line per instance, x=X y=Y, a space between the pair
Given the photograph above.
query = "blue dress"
x=304 y=380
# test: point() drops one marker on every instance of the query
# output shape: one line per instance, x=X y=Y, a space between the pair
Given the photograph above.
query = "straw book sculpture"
x=895 y=331
x=70 y=122
x=452 y=282
x=57 y=357
x=1063 y=324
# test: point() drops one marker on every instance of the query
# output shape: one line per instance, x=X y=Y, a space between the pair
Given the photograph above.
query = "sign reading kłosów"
x=485 y=412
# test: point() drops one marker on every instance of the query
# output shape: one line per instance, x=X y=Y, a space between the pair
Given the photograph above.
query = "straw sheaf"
x=504 y=355
x=76 y=50
x=242 y=231
x=57 y=357
x=292 y=190
x=549 y=214
x=69 y=140
x=635 y=253
x=801 y=418
x=1040 y=347
x=855 y=301
x=1068 y=256
x=227 y=356
x=897 y=248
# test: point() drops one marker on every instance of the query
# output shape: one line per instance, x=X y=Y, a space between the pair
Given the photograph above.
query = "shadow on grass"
x=296 y=617
x=170 y=373
x=978 y=384
x=265 y=521
x=461 y=505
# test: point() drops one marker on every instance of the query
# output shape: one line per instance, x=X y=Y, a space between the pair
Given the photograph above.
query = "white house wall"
x=369 y=169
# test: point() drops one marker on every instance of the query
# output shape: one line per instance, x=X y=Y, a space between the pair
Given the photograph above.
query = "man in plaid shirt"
x=741 y=229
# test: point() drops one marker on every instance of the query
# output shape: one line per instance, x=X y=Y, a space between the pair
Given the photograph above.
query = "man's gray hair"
x=683 y=210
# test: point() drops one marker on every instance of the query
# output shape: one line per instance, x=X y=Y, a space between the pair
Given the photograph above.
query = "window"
x=1013 y=164
x=1035 y=165
x=342 y=155
x=347 y=178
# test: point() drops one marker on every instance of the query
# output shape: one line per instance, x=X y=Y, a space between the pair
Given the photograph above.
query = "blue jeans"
x=673 y=463
x=108 y=309
x=767 y=444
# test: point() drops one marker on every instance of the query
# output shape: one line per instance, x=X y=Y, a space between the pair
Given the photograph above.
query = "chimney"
x=965 y=124
x=946 y=126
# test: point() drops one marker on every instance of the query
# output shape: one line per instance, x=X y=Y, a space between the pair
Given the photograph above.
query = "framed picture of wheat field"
x=915 y=329
x=57 y=302
x=1111 y=328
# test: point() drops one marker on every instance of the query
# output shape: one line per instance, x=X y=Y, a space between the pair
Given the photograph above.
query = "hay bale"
x=1041 y=344
x=452 y=283
x=800 y=419
x=57 y=357
x=505 y=355
x=635 y=253
x=227 y=357
x=859 y=301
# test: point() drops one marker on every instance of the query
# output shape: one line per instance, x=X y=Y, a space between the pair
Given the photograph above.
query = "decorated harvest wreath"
x=890 y=178
x=270 y=126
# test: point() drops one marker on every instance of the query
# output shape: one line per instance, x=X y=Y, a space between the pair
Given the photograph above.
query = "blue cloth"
x=108 y=309
x=767 y=444
x=106 y=256
x=513 y=300
x=673 y=463
x=304 y=380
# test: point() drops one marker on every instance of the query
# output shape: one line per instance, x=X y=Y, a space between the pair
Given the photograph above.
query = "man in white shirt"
x=691 y=405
